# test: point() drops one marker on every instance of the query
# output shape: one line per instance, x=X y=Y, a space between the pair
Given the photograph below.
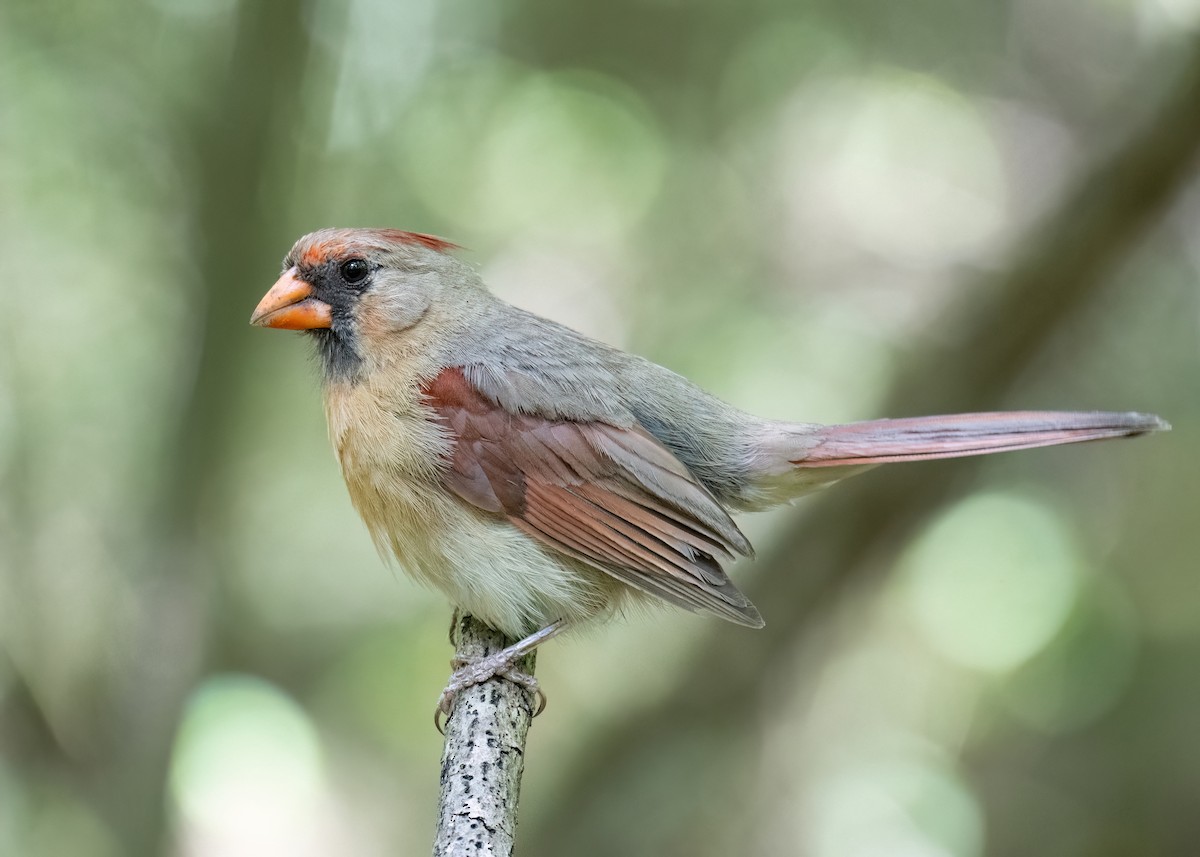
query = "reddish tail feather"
x=917 y=438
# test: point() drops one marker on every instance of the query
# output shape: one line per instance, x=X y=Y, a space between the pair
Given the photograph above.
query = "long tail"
x=917 y=438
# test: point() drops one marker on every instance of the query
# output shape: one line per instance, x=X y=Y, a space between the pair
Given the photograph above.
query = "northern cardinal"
x=540 y=478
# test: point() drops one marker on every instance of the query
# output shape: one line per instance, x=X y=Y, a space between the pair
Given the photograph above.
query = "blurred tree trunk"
x=237 y=151
x=856 y=530
x=240 y=146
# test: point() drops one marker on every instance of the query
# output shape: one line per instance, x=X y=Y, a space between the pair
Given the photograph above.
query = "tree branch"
x=484 y=754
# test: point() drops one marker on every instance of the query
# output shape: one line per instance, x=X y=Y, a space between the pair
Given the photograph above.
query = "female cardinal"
x=540 y=478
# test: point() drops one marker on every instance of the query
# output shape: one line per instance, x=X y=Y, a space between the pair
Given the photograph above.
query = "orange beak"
x=290 y=305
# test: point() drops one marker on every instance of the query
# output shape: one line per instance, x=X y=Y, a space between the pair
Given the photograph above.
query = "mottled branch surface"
x=484 y=755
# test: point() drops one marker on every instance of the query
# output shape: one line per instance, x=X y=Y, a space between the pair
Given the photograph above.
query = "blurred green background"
x=818 y=210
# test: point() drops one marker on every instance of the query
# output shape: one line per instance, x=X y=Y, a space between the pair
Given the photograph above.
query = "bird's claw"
x=470 y=673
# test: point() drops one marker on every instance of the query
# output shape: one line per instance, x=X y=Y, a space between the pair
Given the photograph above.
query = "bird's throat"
x=340 y=360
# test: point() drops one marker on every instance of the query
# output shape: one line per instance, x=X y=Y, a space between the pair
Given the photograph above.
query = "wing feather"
x=610 y=496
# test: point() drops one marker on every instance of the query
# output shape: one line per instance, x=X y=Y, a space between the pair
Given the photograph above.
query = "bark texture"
x=484 y=754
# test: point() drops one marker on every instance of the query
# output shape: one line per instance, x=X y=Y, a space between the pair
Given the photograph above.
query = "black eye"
x=354 y=271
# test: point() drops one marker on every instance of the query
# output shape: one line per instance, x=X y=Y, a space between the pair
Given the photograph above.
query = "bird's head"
x=347 y=286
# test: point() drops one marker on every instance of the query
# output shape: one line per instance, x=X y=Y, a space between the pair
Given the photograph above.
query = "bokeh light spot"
x=247 y=763
x=561 y=152
x=992 y=581
x=895 y=165
x=899 y=806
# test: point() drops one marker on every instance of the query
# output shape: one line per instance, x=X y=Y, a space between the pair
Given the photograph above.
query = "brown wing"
x=612 y=497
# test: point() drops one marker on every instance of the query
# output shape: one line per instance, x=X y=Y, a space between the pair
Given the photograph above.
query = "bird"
x=541 y=479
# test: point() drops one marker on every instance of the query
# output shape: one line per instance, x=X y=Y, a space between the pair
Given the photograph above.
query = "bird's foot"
x=470 y=673
x=503 y=663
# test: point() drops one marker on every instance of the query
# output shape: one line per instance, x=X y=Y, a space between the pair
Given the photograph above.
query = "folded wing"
x=610 y=496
